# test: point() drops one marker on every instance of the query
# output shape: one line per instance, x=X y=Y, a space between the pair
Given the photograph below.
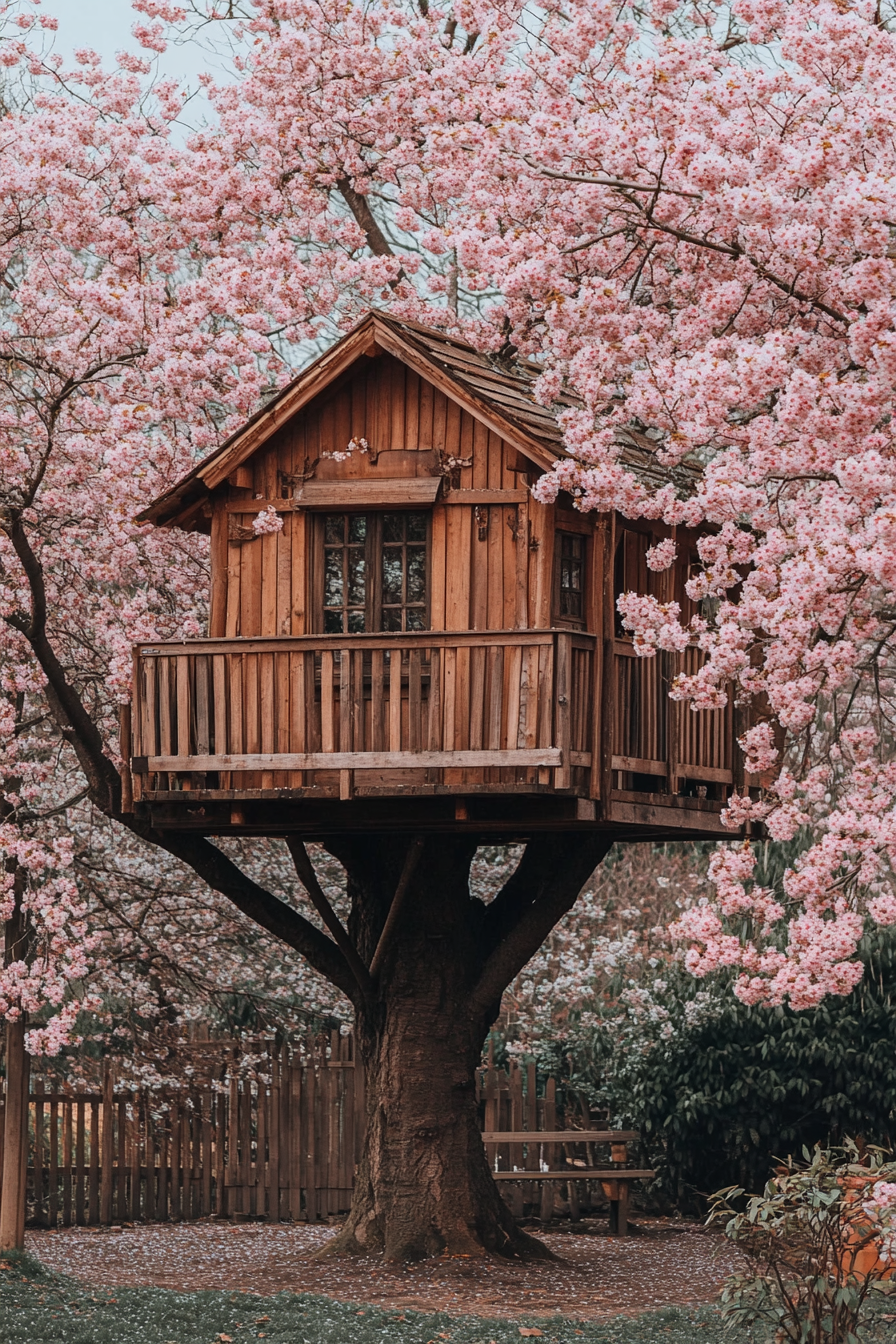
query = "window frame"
x=373 y=609
x=585 y=537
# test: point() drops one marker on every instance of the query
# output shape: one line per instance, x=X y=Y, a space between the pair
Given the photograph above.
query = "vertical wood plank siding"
x=263 y=587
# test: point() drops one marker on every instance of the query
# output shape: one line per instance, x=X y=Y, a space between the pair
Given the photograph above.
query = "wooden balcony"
x=498 y=730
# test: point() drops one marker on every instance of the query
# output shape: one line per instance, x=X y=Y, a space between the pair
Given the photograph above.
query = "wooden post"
x=15 y=1117
x=15 y=1137
x=39 y=1211
x=107 y=1148
x=562 y=716
x=127 y=788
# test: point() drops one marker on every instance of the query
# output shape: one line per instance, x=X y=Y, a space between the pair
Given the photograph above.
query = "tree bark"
x=423 y=1187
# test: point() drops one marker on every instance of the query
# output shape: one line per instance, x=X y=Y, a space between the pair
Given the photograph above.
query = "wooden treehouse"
x=422 y=645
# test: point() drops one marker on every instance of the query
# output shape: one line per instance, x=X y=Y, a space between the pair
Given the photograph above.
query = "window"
x=374 y=571
x=570 y=582
x=345 y=573
x=403 y=591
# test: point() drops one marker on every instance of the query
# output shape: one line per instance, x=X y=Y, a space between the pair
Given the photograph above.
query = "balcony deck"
x=489 y=731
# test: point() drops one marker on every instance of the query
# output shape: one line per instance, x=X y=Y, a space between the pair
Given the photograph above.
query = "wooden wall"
x=498 y=581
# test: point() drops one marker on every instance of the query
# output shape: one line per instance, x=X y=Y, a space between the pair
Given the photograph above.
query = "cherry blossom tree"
x=144 y=312
x=685 y=213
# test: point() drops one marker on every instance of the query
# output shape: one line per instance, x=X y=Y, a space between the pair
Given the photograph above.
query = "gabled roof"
x=500 y=396
x=502 y=400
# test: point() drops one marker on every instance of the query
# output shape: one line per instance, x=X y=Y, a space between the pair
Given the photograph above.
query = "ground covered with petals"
x=230 y=1285
x=596 y=1276
x=40 y=1306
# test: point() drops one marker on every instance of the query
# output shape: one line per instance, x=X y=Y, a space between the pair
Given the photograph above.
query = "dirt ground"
x=597 y=1276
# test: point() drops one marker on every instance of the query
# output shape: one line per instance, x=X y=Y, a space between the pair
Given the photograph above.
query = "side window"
x=569 y=583
x=374 y=572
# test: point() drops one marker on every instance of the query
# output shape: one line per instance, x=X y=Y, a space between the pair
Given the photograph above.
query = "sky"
x=105 y=25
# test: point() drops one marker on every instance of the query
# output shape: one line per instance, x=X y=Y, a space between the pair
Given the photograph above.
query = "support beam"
x=305 y=869
x=401 y=891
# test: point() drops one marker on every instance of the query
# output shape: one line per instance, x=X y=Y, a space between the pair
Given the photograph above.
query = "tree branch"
x=367 y=223
x=305 y=869
x=272 y=914
x=651 y=187
x=401 y=891
x=75 y=723
x=544 y=887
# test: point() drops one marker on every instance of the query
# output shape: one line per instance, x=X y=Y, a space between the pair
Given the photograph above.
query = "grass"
x=41 y=1307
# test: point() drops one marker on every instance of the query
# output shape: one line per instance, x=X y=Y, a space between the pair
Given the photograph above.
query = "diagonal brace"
x=410 y=866
x=308 y=876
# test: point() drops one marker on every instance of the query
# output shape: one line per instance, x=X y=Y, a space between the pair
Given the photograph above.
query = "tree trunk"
x=423 y=1187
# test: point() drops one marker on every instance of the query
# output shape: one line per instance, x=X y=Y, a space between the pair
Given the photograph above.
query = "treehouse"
x=401 y=637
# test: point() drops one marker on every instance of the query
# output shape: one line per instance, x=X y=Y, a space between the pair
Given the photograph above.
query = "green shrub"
x=719 y=1089
x=810 y=1249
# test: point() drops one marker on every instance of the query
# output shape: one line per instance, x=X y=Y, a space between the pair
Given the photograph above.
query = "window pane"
x=416 y=523
x=332 y=622
x=333 y=579
x=356 y=622
x=357 y=577
x=391 y=618
x=571 y=574
x=357 y=527
x=392 y=576
x=393 y=526
x=416 y=574
x=416 y=618
x=334 y=528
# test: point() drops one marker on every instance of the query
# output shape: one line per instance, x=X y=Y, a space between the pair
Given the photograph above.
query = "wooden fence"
x=281 y=1145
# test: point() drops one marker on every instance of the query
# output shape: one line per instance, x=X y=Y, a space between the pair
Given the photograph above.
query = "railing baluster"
x=434 y=734
x=327 y=722
x=345 y=700
x=563 y=773
x=449 y=705
x=201 y=728
x=358 y=734
x=346 y=718
x=495 y=697
x=476 y=712
x=514 y=670
x=282 y=722
x=182 y=672
x=297 y=714
x=415 y=700
x=266 y=699
x=237 y=664
x=395 y=700
x=376 y=700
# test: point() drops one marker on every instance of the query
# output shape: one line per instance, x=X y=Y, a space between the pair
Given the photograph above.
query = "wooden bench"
x=614 y=1180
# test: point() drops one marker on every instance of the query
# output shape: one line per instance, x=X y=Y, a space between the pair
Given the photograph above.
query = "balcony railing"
x=661 y=745
x=476 y=711
x=473 y=708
